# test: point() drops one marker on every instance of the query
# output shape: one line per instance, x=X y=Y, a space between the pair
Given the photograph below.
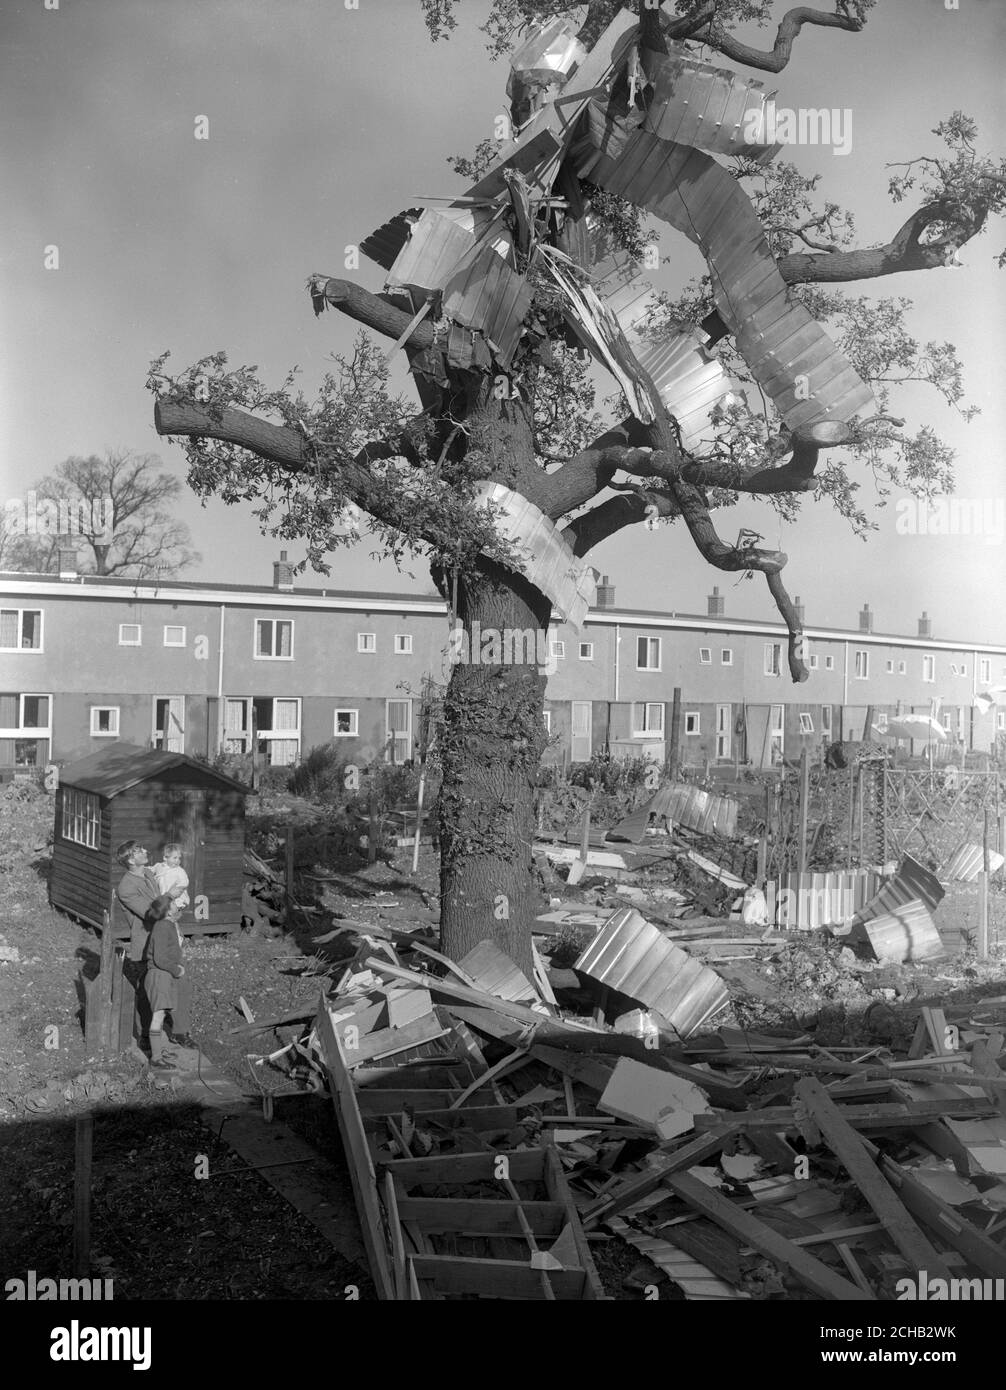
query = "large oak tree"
x=301 y=461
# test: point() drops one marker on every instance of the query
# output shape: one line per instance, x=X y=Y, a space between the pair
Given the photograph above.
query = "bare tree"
x=119 y=509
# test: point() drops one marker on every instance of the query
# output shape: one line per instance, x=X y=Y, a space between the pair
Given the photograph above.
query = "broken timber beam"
x=640 y=1185
x=848 y=1148
x=808 y=1270
x=881 y=1116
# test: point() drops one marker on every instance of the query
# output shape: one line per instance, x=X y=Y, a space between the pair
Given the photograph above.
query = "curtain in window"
x=8 y=712
x=8 y=628
x=285 y=714
x=284 y=639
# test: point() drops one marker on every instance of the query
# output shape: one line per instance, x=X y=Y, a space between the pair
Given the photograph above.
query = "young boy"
x=170 y=875
x=163 y=955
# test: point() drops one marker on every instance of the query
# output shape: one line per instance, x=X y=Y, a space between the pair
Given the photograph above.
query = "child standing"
x=170 y=875
x=163 y=956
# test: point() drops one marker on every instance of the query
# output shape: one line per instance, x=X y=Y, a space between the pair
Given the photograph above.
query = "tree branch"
x=791 y=618
x=789 y=27
x=374 y=311
x=905 y=251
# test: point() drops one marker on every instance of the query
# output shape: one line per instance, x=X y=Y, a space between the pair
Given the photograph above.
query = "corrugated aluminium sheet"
x=385 y=244
x=711 y=108
x=906 y=934
x=495 y=973
x=550 y=565
x=697 y=1283
x=811 y=902
x=911 y=882
x=697 y=809
x=488 y=296
x=967 y=862
x=789 y=353
x=691 y=383
x=434 y=248
x=632 y=956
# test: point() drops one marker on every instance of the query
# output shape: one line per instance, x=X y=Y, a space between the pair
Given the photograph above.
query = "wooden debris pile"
x=501 y=1130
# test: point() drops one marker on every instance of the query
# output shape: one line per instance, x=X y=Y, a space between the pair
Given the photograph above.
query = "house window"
x=829 y=663
x=647 y=653
x=813 y=663
x=1001 y=720
x=964 y=670
x=693 y=722
x=20 y=629
x=24 y=729
x=890 y=668
x=902 y=668
x=826 y=720
x=81 y=821
x=647 y=719
x=773 y=658
x=726 y=656
x=130 y=635
x=929 y=668
x=705 y=656
x=366 y=641
x=881 y=722
x=274 y=639
x=985 y=669
x=347 y=723
x=558 y=649
x=806 y=722
x=862 y=664
x=174 y=636
x=547 y=716
x=403 y=643
x=586 y=651
x=105 y=721
x=275 y=723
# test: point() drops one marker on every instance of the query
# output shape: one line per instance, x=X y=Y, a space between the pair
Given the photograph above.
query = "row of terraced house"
x=198 y=667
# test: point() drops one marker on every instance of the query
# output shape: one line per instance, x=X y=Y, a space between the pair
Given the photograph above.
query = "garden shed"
x=128 y=793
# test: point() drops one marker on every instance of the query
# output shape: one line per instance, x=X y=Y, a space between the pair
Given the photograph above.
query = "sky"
x=323 y=122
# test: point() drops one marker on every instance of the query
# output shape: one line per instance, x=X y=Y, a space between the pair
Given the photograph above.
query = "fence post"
x=804 y=807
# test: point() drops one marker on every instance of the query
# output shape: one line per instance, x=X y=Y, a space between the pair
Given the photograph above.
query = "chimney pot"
x=605 y=593
x=865 y=619
x=715 y=603
x=282 y=573
x=66 y=555
x=925 y=626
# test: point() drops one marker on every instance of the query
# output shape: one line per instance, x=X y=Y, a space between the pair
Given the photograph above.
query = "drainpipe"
x=845 y=691
x=618 y=641
x=221 y=724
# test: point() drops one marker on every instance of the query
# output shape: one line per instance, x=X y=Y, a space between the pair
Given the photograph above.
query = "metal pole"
x=801 y=860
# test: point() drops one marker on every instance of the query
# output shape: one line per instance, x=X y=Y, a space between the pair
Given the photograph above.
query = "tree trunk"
x=491 y=743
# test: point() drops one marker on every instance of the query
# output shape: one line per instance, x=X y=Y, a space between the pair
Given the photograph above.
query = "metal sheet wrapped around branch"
x=632 y=956
x=551 y=565
x=480 y=290
x=788 y=352
x=705 y=107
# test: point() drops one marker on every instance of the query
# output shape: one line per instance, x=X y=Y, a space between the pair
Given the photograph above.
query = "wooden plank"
x=506 y=1007
x=863 y=1117
x=848 y=1148
x=558 y=1191
x=945 y=1222
x=483 y=1216
x=640 y=1185
x=361 y=1169
x=452 y=1170
x=482 y=1119
x=808 y=1270
x=397 y=1240
x=503 y=1279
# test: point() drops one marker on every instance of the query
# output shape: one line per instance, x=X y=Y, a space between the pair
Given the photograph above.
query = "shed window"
x=105 y=721
x=20 y=629
x=274 y=639
x=81 y=818
x=130 y=635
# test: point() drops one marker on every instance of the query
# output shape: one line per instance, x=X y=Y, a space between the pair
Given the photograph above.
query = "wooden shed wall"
x=153 y=812
x=81 y=879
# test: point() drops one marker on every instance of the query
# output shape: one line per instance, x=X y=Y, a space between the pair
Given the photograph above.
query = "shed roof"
x=122 y=765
